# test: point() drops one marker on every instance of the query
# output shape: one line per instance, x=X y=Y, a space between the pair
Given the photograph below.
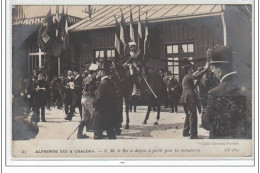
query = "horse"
x=153 y=88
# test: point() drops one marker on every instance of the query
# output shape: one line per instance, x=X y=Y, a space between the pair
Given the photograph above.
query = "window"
x=101 y=53
x=36 y=59
x=175 y=53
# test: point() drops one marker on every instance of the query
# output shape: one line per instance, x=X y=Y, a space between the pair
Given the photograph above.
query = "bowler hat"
x=186 y=63
x=221 y=55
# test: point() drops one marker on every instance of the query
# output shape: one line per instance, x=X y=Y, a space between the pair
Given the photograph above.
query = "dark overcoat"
x=227 y=114
x=40 y=97
x=105 y=106
x=77 y=92
x=67 y=92
x=174 y=89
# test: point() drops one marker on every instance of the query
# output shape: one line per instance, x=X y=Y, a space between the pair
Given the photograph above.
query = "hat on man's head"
x=186 y=63
x=132 y=43
x=221 y=55
x=93 y=67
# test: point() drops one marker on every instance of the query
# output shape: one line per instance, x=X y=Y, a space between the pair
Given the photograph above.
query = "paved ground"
x=170 y=126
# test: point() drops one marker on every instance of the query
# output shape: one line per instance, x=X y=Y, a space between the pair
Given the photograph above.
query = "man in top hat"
x=227 y=114
x=104 y=117
x=189 y=99
x=76 y=94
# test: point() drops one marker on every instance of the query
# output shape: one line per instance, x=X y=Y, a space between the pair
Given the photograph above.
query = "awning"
x=104 y=15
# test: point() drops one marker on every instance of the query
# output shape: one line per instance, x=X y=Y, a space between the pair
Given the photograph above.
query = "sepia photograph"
x=133 y=81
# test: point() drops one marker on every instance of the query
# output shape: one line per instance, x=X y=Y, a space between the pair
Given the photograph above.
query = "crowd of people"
x=211 y=91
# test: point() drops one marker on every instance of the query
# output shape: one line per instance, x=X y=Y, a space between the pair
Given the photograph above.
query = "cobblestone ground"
x=170 y=126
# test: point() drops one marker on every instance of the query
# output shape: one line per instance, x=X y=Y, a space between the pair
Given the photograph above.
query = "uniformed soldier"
x=76 y=94
x=135 y=65
x=67 y=91
x=189 y=99
x=40 y=88
x=89 y=86
x=228 y=112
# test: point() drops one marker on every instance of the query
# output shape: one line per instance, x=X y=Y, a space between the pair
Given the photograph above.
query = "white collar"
x=104 y=77
x=226 y=75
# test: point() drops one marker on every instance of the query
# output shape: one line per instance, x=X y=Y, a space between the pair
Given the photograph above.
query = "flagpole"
x=58 y=66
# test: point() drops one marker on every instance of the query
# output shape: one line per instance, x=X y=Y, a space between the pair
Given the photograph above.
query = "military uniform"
x=189 y=99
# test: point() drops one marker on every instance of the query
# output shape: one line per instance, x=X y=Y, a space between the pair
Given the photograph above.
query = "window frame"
x=105 y=52
x=180 y=55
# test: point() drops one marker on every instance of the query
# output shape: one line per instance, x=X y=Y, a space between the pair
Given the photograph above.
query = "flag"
x=140 y=34
x=44 y=30
x=146 y=37
x=56 y=21
x=117 y=41
x=132 y=33
x=122 y=31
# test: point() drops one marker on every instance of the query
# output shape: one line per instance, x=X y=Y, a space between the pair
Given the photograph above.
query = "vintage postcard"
x=131 y=81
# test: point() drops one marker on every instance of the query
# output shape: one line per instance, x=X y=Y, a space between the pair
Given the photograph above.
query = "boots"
x=80 y=132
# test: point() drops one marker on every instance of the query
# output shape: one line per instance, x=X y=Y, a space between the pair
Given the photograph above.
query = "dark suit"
x=174 y=93
x=189 y=100
x=40 y=99
x=30 y=91
x=228 y=112
x=76 y=97
x=67 y=94
x=104 y=115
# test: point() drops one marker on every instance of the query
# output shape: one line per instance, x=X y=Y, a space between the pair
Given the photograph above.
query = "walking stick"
x=73 y=132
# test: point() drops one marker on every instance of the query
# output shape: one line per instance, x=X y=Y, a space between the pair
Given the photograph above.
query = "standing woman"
x=189 y=99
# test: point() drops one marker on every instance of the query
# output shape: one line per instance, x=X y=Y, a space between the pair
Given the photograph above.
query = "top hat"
x=221 y=55
x=186 y=63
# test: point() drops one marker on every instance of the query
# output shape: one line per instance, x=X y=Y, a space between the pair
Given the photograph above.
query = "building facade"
x=175 y=32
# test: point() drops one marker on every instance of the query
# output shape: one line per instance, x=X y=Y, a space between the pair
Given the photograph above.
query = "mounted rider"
x=135 y=65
